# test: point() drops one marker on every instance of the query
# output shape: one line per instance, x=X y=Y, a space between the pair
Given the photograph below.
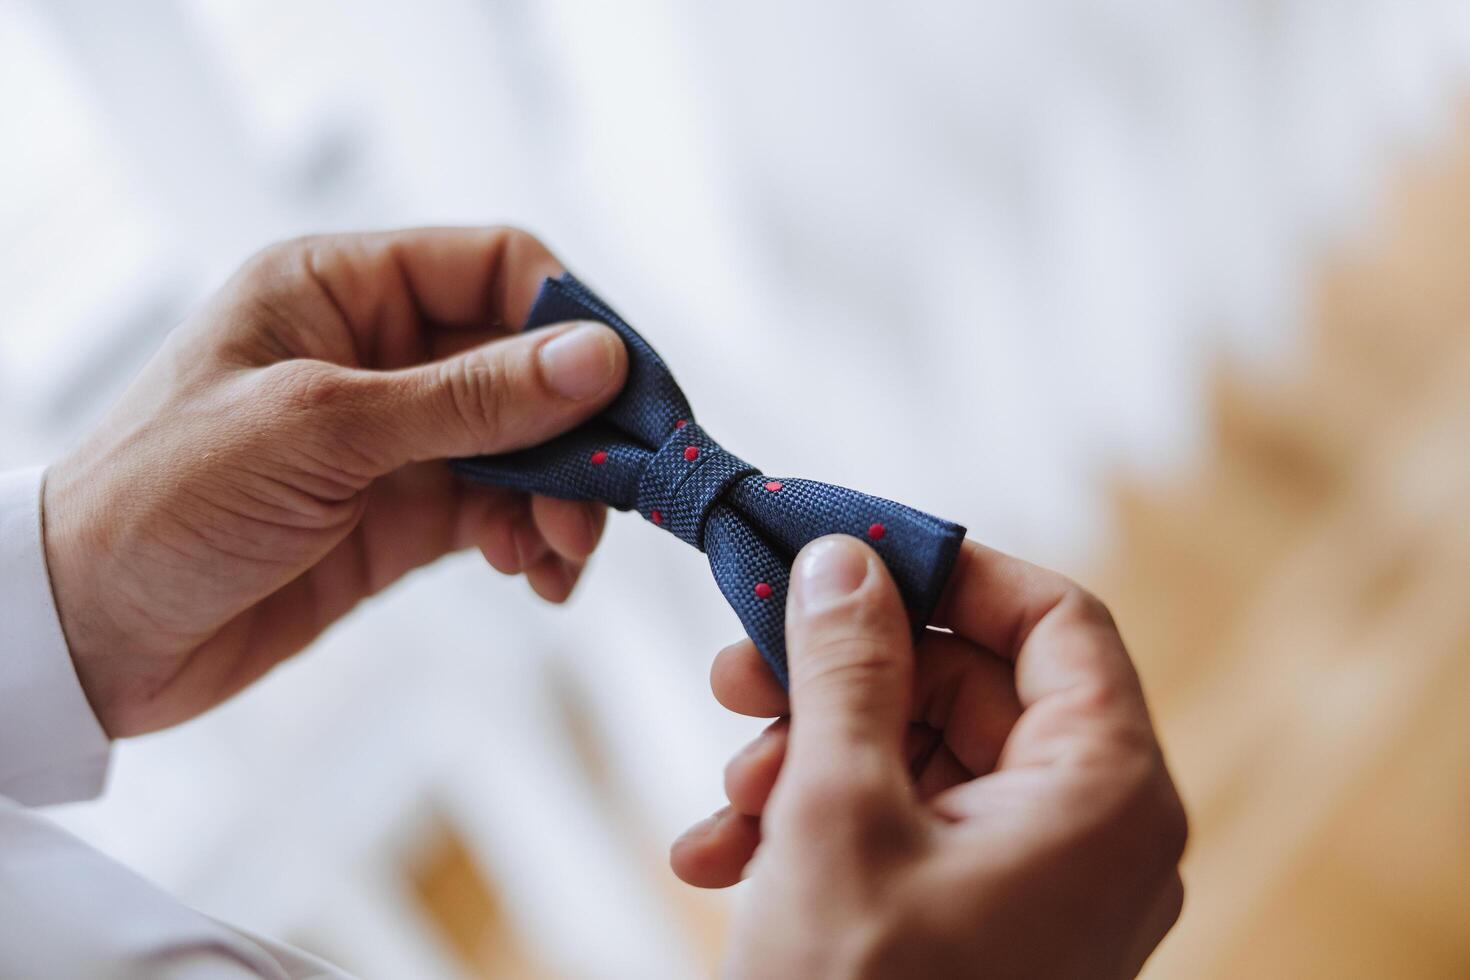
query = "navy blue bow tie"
x=645 y=452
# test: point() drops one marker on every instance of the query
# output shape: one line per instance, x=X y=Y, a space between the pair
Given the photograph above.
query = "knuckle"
x=325 y=424
x=513 y=236
x=1108 y=710
x=1094 y=702
x=1086 y=607
x=315 y=388
x=849 y=644
x=515 y=244
x=855 y=675
x=845 y=661
x=318 y=402
x=477 y=391
x=279 y=259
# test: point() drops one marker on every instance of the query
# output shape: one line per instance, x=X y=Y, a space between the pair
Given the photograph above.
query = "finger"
x=851 y=664
x=963 y=711
x=965 y=692
x=751 y=774
x=391 y=286
x=1074 y=679
x=552 y=577
x=510 y=540
x=742 y=682
x=934 y=766
x=995 y=600
x=504 y=395
x=573 y=571
x=571 y=527
x=942 y=770
x=497 y=535
x=714 y=852
x=386 y=299
x=443 y=344
x=472 y=277
x=999 y=602
x=1081 y=698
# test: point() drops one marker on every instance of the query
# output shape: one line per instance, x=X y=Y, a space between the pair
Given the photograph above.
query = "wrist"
x=76 y=545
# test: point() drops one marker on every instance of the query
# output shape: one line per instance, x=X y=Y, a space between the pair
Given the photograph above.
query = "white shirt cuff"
x=52 y=748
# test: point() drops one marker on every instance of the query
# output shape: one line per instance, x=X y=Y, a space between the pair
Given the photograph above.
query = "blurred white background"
x=974 y=257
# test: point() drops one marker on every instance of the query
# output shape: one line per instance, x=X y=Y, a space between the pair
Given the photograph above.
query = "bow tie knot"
x=644 y=452
x=684 y=479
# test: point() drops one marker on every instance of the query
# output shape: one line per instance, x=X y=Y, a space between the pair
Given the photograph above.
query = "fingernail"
x=704 y=826
x=828 y=570
x=750 y=748
x=580 y=362
x=761 y=740
x=528 y=544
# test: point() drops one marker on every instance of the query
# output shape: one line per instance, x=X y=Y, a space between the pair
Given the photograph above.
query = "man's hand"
x=275 y=463
x=993 y=804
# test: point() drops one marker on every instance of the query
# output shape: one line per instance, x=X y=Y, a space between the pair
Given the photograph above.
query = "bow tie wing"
x=753 y=576
x=602 y=459
x=760 y=524
x=651 y=403
x=918 y=548
x=595 y=461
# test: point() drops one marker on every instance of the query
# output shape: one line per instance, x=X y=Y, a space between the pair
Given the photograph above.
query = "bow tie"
x=645 y=452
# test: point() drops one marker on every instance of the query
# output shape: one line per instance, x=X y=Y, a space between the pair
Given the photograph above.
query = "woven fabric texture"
x=645 y=452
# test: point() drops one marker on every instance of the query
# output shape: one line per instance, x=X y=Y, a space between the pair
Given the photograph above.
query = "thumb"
x=507 y=394
x=851 y=662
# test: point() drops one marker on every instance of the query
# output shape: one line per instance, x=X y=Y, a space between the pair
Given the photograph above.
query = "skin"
x=279 y=460
x=991 y=803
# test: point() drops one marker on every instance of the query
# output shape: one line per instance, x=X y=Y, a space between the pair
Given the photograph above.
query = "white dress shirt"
x=67 y=910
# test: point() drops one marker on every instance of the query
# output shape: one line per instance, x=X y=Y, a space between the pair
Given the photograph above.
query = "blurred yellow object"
x=1299 y=607
x=455 y=895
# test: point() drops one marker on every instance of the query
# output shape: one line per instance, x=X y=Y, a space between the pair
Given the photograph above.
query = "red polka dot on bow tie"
x=762 y=590
x=656 y=516
x=599 y=457
x=681 y=423
x=773 y=485
x=876 y=531
x=691 y=453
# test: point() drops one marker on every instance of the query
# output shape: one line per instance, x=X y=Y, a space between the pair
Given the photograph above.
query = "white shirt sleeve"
x=66 y=910
x=52 y=749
